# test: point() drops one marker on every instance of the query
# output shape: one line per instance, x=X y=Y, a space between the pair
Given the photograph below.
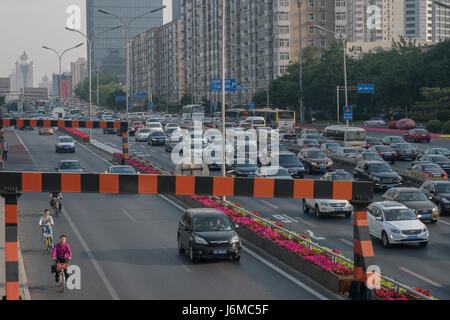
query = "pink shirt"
x=62 y=251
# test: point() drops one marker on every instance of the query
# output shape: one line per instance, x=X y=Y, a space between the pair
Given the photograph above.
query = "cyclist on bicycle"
x=55 y=195
x=46 y=222
x=61 y=252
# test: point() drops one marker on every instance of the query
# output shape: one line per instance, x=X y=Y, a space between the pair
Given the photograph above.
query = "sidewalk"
x=18 y=157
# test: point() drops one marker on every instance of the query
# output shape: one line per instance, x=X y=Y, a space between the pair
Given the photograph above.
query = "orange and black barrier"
x=11 y=244
x=184 y=185
x=35 y=123
x=359 y=193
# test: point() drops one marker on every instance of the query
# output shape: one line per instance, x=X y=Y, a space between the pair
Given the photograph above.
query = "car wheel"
x=423 y=244
x=308 y=169
x=305 y=207
x=434 y=221
x=317 y=212
x=180 y=246
x=385 y=240
x=236 y=258
x=191 y=254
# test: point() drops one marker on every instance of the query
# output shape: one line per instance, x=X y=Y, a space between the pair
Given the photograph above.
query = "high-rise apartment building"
x=109 y=50
x=261 y=42
x=157 y=62
x=419 y=20
x=441 y=20
x=176 y=9
x=79 y=70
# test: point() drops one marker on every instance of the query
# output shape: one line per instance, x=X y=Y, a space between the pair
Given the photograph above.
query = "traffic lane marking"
x=346 y=242
x=444 y=222
x=129 y=215
x=269 y=204
x=419 y=276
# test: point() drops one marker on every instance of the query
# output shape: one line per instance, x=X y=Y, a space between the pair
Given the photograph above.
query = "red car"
x=135 y=126
x=417 y=135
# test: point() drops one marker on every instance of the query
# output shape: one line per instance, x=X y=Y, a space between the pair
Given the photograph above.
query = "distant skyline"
x=27 y=25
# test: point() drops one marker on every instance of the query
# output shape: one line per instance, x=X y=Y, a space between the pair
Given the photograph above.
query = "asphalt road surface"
x=125 y=246
x=422 y=267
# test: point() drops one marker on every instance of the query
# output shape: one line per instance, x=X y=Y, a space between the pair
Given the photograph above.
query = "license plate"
x=339 y=209
x=390 y=186
x=412 y=237
x=251 y=175
x=220 y=251
x=424 y=135
x=426 y=216
x=323 y=168
x=436 y=175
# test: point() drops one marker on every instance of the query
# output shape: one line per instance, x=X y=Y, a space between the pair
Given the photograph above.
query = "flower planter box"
x=335 y=283
x=117 y=159
x=76 y=137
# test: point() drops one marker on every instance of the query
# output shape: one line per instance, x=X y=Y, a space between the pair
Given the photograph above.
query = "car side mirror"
x=379 y=219
x=236 y=226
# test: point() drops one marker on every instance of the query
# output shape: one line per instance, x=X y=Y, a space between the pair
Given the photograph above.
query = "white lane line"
x=26 y=149
x=419 y=276
x=312 y=225
x=444 y=222
x=311 y=234
x=165 y=156
x=346 y=242
x=269 y=204
x=267 y=263
x=284 y=274
x=103 y=159
x=129 y=215
x=91 y=256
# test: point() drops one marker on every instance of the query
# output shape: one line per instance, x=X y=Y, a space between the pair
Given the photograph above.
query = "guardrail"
x=335 y=257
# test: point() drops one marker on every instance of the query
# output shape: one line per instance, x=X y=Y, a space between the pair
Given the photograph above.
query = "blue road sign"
x=348 y=113
x=121 y=98
x=366 y=88
x=251 y=106
x=230 y=85
x=140 y=95
x=151 y=105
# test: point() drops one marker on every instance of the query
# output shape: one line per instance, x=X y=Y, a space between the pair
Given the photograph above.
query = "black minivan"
x=208 y=234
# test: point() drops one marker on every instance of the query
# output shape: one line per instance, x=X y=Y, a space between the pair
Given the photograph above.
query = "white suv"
x=394 y=223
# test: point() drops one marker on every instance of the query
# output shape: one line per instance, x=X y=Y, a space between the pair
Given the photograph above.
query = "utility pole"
x=300 y=63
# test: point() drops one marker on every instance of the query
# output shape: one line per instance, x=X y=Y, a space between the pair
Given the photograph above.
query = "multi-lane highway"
x=422 y=267
x=125 y=245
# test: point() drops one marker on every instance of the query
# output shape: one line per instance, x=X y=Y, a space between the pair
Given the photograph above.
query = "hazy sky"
x=27 y=25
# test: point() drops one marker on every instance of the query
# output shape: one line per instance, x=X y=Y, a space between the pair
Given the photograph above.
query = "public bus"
x=193 y=112
x=346 y=136
x=284 y=120
x=236 y=115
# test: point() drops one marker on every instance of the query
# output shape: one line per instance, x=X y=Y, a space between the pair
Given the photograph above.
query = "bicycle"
x=61 y=269
x=48 y=242
x=56 y=206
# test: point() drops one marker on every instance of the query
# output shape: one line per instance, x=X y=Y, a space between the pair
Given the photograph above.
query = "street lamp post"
x=60 y=56
x=344 y=46
x=89 y=42
x=224 y=173
x=126 y=25
x=300 y=63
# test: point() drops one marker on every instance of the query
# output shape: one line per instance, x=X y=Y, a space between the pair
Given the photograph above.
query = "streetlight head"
x=103 y=11
x=158 y=9
x=79 y=45
x=45 y=47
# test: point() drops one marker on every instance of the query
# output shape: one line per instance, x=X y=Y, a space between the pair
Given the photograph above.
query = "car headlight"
x=400 y=179
x=376 y=179
x=445 y=200
x=324 y=203
x=435 y=210
x=394 y=230
x=424 y=230
x=200 y=240
x=235 y=239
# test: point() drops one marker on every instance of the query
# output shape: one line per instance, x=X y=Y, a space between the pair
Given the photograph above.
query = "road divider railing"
x=324 y=265
x=76 y=134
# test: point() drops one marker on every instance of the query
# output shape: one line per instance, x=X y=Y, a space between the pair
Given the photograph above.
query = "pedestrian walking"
x=5 y=151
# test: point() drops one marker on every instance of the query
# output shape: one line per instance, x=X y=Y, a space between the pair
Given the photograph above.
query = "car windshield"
x=313 y=136
x=288 y=158
x=403 y=146
x=305 y=141
x=129 y=170
x=332 y=145
x=399 y=215
x=144 y=131
x=342 y=176
x=245 y=163
x=274 y=171
x=412 y=196
x=159 y=134
x=154 y=125
x=443 y=188
x=431 y=167
x=439 y=158
x=316 y=155
x=442 y=151
x=380 y=167
x=351 y=150
x=64 y=140
x=371 y=156
x=211 y=223
x=421 y=131
x=290 y=136
x=384 y=149
x=69 y=165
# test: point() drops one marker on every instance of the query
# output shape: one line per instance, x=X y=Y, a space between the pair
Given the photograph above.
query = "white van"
x=254 y=122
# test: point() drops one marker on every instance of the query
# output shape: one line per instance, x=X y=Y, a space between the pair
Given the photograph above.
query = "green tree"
x=2 y=100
